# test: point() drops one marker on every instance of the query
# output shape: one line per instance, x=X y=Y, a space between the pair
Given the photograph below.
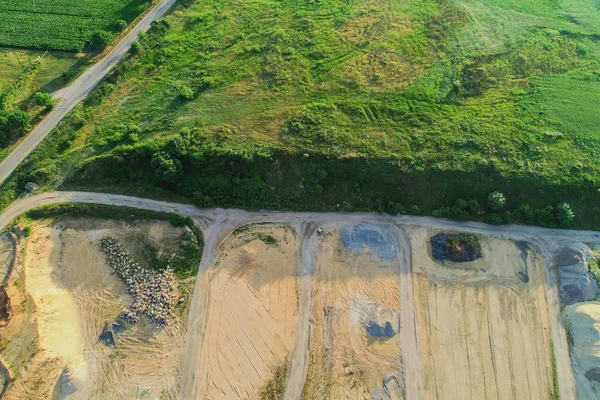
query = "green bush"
x=186 y=92
x=166 y=168
x=563 y=214
x=496 y=201
x=100 y=40
x=44 y=99
x=120 y=25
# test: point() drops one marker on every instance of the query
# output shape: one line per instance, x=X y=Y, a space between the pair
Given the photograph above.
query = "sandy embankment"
x=251 y=315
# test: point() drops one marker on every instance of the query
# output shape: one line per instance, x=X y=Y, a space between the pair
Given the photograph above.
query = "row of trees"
x=561 y=214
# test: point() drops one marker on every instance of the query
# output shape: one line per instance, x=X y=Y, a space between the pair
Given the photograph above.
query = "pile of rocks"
x=152 y=292
x=438 y=246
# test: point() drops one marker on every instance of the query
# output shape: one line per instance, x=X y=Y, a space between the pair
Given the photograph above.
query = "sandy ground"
x=584 y=323
x=74 y=295
x=483 y=333
x=349 y=286
x=251 y=317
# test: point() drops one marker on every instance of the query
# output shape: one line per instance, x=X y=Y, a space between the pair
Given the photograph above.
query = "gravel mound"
x=455 y=247
x=152 y=292
x=576 y=282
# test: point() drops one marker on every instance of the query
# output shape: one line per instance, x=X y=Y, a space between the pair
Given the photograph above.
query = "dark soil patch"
x=455 y=247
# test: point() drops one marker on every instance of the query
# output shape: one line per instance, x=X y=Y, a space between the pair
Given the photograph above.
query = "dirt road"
x=218 y=222
x=76 y=92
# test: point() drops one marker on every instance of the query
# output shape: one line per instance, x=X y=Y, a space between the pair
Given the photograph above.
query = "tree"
x=44 y=99
x=563 y=214
x=120 y=25
x=17 y=122
x=100 y=40
x=496 y=201
x=186 y=92
x=165 y=167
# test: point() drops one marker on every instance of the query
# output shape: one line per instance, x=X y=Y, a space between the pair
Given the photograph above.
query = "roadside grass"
x=14 y=61
x=275 y=388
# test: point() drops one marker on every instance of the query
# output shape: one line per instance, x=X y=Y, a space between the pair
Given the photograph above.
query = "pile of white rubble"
x=152 y=292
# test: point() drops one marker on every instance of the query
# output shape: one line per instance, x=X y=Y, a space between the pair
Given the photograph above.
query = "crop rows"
x=60 y=24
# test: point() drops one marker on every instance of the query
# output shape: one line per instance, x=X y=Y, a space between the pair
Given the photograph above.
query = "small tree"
x=496 y=201
x=165 y=167
x=17 y=122
x=44 y=99
x=120 y=25
x=186 y=92
x=100 y=40
x=563 y=214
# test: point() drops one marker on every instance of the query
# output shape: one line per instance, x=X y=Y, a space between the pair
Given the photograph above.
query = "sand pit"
x=73 y=295
x=251 y=312
x=483 y=329
x=354 y=345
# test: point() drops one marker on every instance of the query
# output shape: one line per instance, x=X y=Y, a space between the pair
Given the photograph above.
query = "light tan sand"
x=251 y=313
x=483 y=333
x=75 y=294
x=346 y=362
x=584 y=324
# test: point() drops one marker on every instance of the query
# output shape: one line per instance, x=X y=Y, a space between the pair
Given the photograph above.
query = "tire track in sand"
x=299 y=363
x=409 y=362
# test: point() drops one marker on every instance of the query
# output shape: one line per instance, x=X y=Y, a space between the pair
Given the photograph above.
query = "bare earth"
x=349 y=289
x=251 y=315
x=489 y=329
x=483 y=332
x=74 y=294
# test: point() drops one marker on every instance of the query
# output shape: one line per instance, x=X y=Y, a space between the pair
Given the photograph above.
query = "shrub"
x=165 y=167
x=180 y=221
x=186 y=92
x=17 y=122
x=136 y=47
x=120 y=25
x=44 y=99
x=496 y=201
x=563 y=214
x=414 y=210
x=100 y=40
x=27 y=231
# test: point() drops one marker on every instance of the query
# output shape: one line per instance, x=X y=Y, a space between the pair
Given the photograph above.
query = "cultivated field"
x=60 y=24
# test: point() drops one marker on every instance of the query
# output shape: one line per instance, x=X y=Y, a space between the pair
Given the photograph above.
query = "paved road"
x=76 y=92
x=216 y=223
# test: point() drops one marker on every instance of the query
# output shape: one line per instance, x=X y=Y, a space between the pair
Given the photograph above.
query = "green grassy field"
x=421 y=107
x=15 y=61
x=572 y=104
x=61 y=24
